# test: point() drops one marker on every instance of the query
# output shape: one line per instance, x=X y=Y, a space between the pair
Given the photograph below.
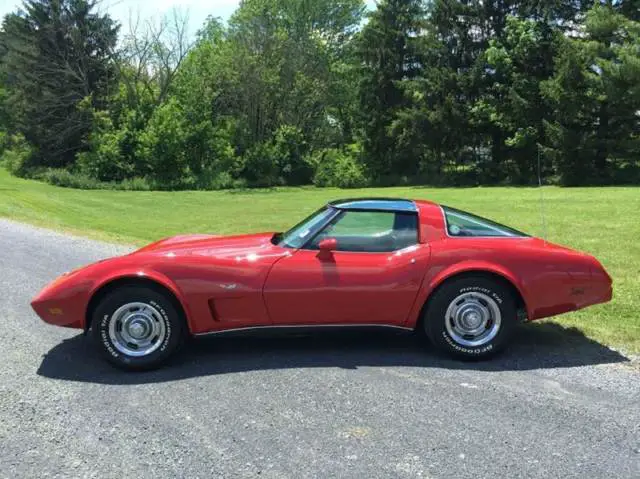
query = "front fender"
x=141 y=274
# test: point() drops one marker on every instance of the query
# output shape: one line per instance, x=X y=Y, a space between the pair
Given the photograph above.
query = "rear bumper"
x=579 y=294
x=600 y=289
x=595 y=295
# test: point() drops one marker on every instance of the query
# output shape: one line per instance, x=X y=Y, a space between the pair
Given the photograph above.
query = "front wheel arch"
x=122 y=282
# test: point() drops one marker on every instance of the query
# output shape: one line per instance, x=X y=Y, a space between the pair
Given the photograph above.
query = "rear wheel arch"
x=475 y=273
x=112 y=285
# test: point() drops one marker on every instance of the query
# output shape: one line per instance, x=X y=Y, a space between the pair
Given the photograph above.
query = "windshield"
x=297 y=236
x=461 y=223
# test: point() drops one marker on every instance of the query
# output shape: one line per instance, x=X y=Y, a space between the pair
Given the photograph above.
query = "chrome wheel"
x=137 y=329
x=473 y=319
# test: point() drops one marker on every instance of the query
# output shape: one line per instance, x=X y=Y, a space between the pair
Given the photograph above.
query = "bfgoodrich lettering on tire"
x=136 y=327
x=471 y=317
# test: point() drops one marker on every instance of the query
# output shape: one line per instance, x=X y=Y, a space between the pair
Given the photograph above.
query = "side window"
x=461 y=223
x=371 y=231
x=363 y=223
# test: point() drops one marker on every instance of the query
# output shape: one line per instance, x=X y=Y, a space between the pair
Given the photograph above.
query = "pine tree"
x=56 y=53
x=388 y=51
x=630 y=9
x=513 y=104
x=595 y=94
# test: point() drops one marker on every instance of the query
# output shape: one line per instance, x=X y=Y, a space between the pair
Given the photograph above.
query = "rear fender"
x=436 y=277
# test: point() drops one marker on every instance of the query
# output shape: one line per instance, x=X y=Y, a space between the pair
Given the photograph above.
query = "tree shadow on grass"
x=535 y=346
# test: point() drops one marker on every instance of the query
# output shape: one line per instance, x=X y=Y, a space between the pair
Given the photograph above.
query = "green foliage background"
x=293 y=92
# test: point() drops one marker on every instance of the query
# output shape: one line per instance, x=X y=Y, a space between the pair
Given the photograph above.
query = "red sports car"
x=463 y=280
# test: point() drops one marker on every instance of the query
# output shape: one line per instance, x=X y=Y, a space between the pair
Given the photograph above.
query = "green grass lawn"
x=602 y=221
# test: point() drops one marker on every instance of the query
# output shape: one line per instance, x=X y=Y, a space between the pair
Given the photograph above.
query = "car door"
x=372 y=277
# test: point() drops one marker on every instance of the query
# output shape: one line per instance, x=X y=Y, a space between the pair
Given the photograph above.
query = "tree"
x=431 y=128
x=57 y=53
x=150 y=56
x=630 y=9
x=388 y=50
x=300 y=91
x=276 y=69
x=146 y=64
x=283 y=51
x=5 y=113
x=513 y=103
x=595 y=95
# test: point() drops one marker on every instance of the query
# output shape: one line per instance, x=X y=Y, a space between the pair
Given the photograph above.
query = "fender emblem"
x=228 y=285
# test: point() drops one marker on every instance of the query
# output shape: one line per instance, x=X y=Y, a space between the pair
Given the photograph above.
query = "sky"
x=122 y=10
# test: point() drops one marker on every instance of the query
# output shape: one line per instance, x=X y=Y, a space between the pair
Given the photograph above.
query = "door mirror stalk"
x=327 y=246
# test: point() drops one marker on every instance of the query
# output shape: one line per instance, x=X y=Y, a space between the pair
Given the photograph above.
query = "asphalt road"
x=348 y=406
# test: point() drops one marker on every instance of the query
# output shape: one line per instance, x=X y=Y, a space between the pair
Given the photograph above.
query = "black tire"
x=488 y=292
x=166 y=317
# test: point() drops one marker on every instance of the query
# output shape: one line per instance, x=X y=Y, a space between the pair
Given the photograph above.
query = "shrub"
x=261 y=165
x=291 y=148
x=132 y=184
x=4 y=141
x=162 y=147
x=280 y=160
x=339 y=168
x=211 y=155
x=225 y=181
x=113 y=141
x=105 y=161
x=16 y=154
x=184 y=154
x=627 y=174
x=67 y=179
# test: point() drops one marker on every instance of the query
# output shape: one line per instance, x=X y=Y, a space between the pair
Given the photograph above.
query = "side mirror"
x=327 y=246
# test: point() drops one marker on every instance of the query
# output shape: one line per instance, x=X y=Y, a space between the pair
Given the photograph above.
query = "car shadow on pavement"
x=535 y=346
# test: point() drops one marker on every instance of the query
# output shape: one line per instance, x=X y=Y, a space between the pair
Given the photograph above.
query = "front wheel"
x=471 y=317
x=137 y=328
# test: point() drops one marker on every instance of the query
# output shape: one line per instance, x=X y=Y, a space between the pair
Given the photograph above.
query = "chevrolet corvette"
x=462 y=281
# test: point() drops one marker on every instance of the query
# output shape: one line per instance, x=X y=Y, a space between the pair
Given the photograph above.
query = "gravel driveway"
x=354 y=405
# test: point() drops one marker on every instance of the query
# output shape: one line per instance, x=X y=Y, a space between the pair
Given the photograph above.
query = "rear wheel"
x=471 y=318
x=137 y=328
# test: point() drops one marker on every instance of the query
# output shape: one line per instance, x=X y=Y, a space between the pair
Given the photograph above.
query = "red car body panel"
x=225 y=283
x=345 y=289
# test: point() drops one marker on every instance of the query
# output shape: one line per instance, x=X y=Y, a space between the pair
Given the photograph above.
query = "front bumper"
x=61 y=304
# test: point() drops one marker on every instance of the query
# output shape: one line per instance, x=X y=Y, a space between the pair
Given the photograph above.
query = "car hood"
x=198 y=244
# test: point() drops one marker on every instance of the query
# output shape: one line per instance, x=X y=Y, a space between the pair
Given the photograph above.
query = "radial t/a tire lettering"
x=137 y=328
x=471 y=318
